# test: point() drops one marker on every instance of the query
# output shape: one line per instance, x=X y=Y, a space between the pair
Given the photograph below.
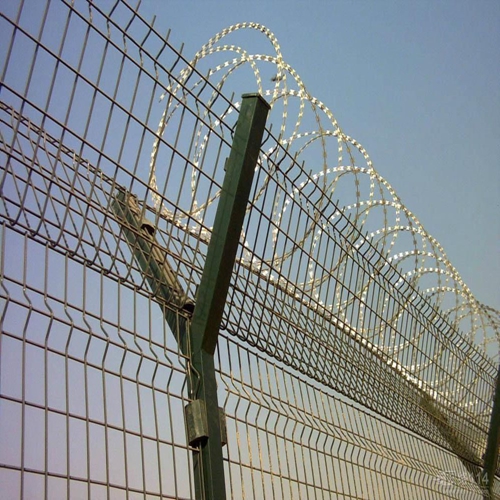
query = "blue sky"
x=417 y=83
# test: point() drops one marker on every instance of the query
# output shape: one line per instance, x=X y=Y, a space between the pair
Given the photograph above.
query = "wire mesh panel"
x=294 y=438
x=343 y=370
x=90 y=399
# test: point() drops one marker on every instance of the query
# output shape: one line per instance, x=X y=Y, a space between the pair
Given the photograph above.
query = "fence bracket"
x=196 y=421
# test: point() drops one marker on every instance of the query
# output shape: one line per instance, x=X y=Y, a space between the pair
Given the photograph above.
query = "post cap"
x=256 y=94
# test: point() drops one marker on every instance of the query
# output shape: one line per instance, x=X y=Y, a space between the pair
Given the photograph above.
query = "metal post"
x=203 y=415
x=491 y=455
x=212 y=292
x=152 y=260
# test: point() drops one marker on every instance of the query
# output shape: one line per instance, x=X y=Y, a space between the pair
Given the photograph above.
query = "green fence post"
x=212 y=292
x=152 y=260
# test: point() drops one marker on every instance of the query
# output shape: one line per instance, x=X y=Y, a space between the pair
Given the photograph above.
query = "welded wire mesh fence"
x=341 y=372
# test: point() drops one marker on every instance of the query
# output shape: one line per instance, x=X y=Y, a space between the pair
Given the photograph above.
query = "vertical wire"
x=122 y=395
x=67 y=385
x=23 y=371
x=104 y=389
x=138 y=393
x=85 y=379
